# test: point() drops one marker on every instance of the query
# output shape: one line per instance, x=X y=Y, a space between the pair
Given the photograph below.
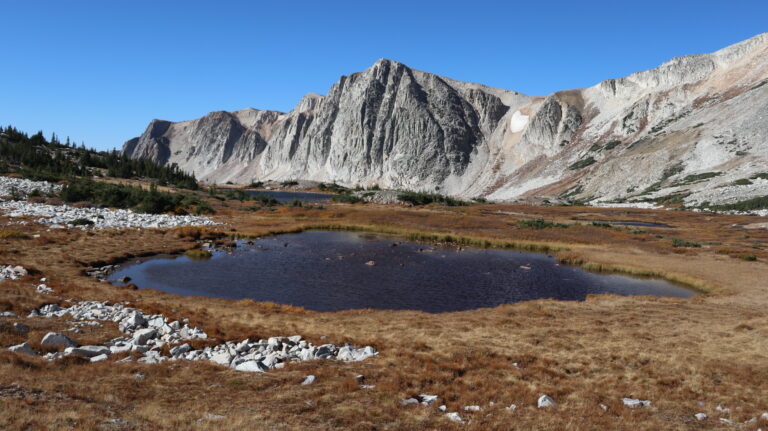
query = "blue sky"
x=99 y=71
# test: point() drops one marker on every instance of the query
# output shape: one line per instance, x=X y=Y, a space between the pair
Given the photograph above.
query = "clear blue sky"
x=99 y=71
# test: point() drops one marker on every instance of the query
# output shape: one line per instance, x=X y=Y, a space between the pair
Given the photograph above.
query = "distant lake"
x=330 y=271
x=284 y=197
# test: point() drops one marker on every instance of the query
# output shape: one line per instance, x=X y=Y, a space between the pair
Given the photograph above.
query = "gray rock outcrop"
x=695 y=127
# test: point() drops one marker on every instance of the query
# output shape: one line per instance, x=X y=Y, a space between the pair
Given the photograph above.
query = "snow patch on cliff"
x=518 y=122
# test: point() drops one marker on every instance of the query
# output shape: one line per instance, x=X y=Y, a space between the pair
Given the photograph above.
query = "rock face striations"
x=695 y=129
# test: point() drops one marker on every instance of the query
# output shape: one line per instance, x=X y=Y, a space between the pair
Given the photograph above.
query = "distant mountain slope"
x=693 y=129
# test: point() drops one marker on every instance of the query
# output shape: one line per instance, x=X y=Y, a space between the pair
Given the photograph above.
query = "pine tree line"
x=38 y=158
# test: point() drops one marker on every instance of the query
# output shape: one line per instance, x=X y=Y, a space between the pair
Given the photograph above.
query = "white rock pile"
x=21 y=187
x=9 y=272
x=60 y=216
x=148 y=334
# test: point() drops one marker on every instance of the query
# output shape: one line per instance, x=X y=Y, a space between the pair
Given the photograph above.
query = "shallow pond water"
x=284 y=197
x=330 y=271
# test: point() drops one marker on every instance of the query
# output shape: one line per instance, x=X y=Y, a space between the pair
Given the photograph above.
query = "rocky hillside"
x=693 y=130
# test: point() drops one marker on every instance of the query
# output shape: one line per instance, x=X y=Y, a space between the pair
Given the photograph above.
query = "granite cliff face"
x=689 y=128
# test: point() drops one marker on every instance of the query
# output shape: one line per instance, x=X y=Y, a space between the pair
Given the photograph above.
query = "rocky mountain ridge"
x=693 y=130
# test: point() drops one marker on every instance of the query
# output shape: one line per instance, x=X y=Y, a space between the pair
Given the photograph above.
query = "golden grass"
x=674 y=352
x=12 y=234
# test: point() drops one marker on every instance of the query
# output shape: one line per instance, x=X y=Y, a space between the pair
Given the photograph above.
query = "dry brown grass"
x=709 y=349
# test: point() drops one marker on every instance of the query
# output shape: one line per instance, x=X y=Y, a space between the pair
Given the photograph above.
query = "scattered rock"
x=309 y=380
x=87 y=351
x=146 y=334
x=61 y=217
x=545 y=401
x=512 y=407
x=634 y=403
x=472 y=408
x=99 y=358
x=141 y=336
x=23 y=348
x=20 y=328
x=701 y=416
x=371 y=263
x=252 y=366
x=55 y=339
x=454 y=417
x=12 y=272
x=427 y=399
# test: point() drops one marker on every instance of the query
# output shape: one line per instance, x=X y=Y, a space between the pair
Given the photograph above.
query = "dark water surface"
x=284 y=197
x=634 y=223
x=327 y=271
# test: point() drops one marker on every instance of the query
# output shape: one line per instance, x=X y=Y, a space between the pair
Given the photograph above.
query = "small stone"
x=545 y=401
x=87 y=351
x=251 y=366
x=55 y=339
x=20 y=328
x=634 y=403
x=454 y=417
x=443 y=408
x=371 y=263
x=727 y=421
x=512 y=407
x=427 y=399
x=22 y=348
x=472 y=408
x=141 y=336
x=222 y=358
x=309 y=380
x=99 y=358
x=139 y=376
x=701 y=416
x=179 y=350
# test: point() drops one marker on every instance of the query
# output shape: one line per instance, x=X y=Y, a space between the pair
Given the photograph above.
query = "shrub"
x=346 y=198
x=582 y=163
x=757 y=203
x=681 y=243
x=121 y=196
x=290 y=183
x=12 y=234
x=81 y=222
x=539 y=224
x=418 y=198
x=196 y=254
x=333 y=188
x=267 y=201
